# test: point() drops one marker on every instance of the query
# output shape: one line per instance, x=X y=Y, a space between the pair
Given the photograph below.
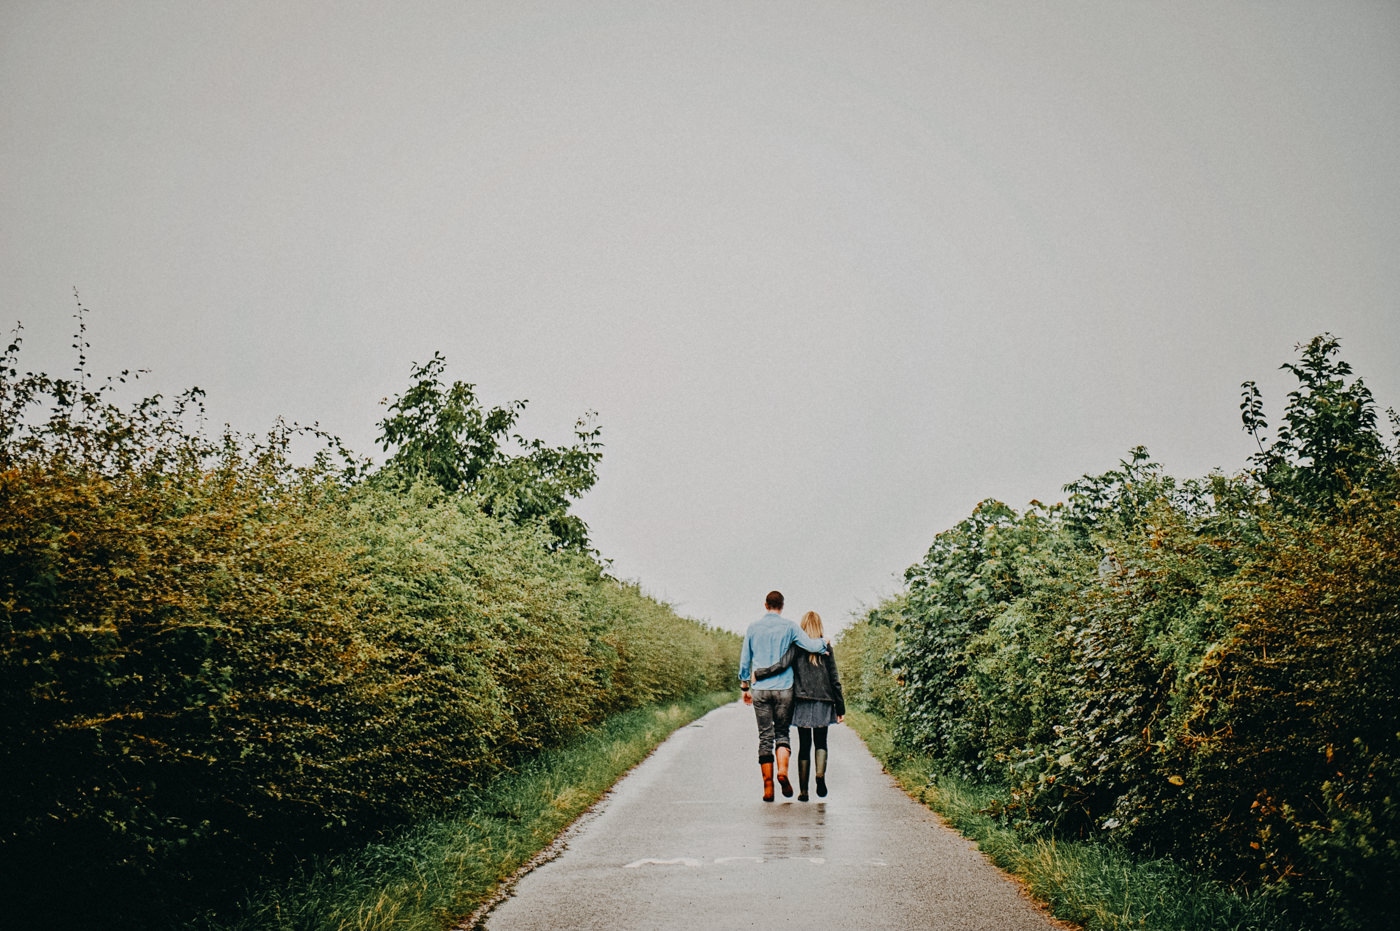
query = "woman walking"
x=818 y=704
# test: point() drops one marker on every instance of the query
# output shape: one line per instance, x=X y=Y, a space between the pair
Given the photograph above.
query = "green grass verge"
x=438 y=873
x=1098 y=887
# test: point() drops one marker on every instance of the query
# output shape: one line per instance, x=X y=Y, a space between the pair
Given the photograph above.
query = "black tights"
x=806 y=737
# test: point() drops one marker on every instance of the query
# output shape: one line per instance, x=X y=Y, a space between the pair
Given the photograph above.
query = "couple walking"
x=794 y=684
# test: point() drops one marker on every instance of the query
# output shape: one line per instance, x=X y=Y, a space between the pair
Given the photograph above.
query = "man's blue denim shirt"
x=768 y=638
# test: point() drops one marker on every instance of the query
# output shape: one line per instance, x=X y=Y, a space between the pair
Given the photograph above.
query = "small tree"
x=1328 y=442
x=443 y=434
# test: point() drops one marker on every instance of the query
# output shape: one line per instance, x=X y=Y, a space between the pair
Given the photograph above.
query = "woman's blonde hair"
x=812 y=627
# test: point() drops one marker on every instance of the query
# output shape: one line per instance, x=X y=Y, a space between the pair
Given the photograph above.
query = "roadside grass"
x=1096 y=886
x=437 y=873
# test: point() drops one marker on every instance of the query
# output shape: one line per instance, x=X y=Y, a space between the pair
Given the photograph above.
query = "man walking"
x=765 y=642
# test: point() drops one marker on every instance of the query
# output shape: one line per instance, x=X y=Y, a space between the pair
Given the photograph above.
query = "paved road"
x=685 y=841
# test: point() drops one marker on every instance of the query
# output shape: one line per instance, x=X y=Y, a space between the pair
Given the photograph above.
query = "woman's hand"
x=840 y=718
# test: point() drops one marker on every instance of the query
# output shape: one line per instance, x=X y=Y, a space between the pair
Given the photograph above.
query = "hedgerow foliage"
x=214 y=661
x=865 y=657
x=1205 y=669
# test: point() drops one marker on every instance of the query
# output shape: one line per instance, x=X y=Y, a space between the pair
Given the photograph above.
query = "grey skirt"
x=807 y=712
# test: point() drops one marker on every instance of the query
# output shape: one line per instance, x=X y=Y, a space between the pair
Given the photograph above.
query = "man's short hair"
x=774 y=601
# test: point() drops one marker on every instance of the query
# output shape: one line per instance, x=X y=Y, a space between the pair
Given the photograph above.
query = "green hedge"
x=214 y=662
x=1202 y=670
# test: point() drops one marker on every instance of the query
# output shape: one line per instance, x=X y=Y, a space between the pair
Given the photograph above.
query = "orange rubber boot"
x=767 y=781
x=783 y=753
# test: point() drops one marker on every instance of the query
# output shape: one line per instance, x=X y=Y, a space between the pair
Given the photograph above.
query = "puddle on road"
x=796 y=835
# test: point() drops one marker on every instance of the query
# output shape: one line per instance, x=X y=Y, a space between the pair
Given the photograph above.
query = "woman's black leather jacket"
x=817 y=681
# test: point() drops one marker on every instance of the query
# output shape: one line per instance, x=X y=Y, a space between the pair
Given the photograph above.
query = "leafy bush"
x=1201 y=670
x=214 y=662
x=977 y=647
x=866 y=677
x=1294 y=729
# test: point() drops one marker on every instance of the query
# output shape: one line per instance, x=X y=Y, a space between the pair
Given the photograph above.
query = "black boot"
x=821 y=772
x=804 y=769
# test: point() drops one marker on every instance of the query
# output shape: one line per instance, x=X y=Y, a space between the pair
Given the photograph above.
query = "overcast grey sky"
x=829 y=272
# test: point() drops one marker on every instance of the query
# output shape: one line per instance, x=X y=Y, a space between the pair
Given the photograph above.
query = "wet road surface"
x=685 y=841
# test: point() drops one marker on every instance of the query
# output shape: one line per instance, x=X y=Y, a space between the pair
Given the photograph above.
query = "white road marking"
x=694 y=861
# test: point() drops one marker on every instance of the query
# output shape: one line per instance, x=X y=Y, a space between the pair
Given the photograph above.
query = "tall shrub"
x=214 y=661
x=1294 y=732
x=1199 y=669
x=865 y=648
